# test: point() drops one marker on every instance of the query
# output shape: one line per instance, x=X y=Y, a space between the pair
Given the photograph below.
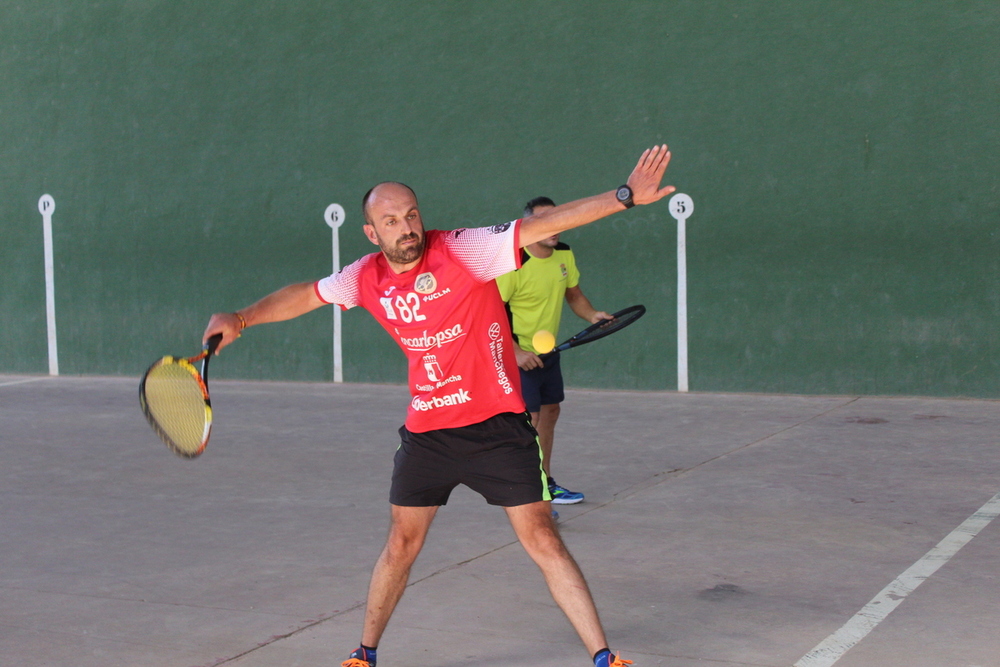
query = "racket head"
x=618 y=321
x=175 y=401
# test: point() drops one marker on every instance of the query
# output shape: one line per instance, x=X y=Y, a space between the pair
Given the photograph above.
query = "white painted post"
x=46 y=205
x=681 y=207
x=334 y=217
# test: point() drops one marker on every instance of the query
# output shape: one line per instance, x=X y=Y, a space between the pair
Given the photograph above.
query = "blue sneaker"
x=561 y=496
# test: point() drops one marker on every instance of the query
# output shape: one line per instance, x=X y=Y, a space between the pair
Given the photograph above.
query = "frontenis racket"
x=174 y=398
x=618 y=321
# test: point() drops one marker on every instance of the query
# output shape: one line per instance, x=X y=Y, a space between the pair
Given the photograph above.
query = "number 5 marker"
x=681 y=207
x=46 y=205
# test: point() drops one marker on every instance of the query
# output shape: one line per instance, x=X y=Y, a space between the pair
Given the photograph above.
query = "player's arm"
x=580 y=304
x=285 y=304
x=644 y=181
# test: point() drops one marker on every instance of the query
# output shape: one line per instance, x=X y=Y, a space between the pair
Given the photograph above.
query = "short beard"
x=400 y=255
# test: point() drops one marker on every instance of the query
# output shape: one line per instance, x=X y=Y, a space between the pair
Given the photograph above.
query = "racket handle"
x=210 y=347
x=213 y=344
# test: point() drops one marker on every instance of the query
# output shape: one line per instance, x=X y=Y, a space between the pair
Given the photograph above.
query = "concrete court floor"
x=719 y=530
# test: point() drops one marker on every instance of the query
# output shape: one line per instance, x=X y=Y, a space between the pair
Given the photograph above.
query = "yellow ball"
x=543 y=341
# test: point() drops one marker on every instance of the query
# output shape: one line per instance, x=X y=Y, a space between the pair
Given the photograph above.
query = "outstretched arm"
x=644 y=181
x=287 y=303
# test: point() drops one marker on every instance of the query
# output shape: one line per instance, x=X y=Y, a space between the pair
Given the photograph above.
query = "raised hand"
x=646 y=177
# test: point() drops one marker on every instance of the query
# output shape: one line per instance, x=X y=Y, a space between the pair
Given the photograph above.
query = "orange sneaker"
x=609 y=659
x=360 y=657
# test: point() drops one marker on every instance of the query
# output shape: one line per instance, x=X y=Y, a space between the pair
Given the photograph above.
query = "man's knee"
x=541 y=539
x=407 y=534
x=549 y=413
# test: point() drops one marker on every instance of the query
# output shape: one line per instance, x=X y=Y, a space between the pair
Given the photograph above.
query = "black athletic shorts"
x=543 y=386
x=498 y=458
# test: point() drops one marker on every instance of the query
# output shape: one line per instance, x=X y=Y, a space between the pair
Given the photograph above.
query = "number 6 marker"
x=334 y=216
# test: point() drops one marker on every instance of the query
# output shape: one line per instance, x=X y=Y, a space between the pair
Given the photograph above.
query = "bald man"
x=434 y=292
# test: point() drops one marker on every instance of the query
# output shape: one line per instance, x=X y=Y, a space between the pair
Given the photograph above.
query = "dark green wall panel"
x=841 y=157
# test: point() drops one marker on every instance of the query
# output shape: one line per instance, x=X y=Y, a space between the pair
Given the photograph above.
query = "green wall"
x=842 y=158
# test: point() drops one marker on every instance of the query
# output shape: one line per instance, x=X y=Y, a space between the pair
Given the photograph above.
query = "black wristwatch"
x=624 y=195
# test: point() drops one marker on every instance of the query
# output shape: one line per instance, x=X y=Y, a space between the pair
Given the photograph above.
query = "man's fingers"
x=645 y=179
x=226 y=340
x=653 y=162
x=648 y=156
x=659 y=157
x=665 y=191
x=225 y=324
x=651 y=157
x=664 y=160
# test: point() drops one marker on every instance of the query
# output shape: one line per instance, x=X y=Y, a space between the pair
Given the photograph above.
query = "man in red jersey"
x=434 y=293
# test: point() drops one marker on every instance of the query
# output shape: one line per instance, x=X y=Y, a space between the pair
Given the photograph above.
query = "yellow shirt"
x=535 y=293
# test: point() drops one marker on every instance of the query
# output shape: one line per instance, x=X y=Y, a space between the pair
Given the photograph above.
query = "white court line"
x=13 y=382
x=833 y=648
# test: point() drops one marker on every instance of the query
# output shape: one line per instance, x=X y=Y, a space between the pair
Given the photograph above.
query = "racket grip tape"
x=210 y=347
x=213 y=343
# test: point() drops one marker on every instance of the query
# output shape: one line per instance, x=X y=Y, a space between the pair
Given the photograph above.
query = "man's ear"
x=370 y=233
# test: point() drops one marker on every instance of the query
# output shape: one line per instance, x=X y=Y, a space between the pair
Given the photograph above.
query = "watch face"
x=624 y=193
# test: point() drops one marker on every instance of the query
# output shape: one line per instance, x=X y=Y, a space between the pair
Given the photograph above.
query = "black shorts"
x=498 y=458
x=543 y=386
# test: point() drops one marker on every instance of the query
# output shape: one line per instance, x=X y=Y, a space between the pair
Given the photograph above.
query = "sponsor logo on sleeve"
x=500 y=229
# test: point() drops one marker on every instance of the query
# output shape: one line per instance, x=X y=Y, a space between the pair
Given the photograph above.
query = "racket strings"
x=175 y=403
x=619 y=320
x=622 y=320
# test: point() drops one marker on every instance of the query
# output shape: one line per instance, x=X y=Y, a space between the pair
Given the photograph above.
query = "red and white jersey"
x=447 y=316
